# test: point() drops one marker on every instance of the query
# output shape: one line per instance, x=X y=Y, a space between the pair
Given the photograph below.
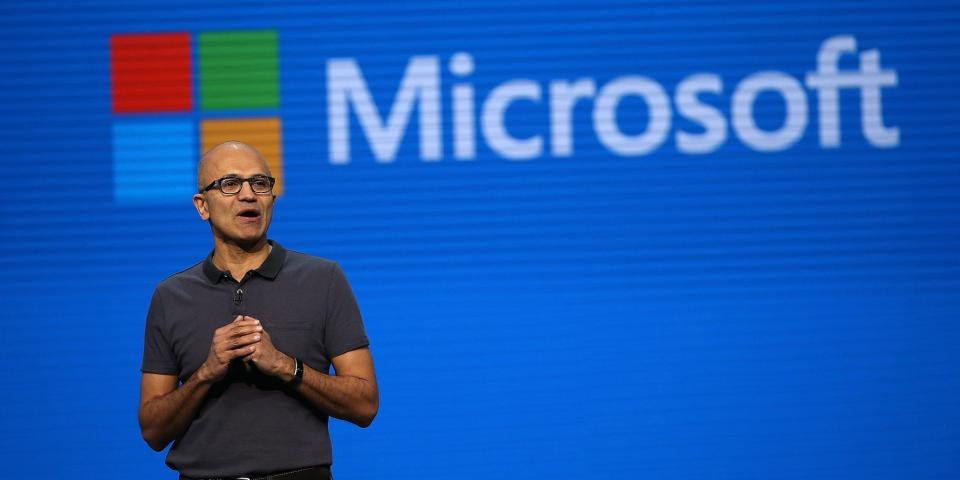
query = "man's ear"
x=200 y=204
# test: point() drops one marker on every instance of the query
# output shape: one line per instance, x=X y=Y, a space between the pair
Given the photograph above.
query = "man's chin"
x=251 y=244
x=251 y=241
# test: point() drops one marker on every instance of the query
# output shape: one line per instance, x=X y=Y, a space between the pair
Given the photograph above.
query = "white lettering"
x=658 y=114
x=714 y=125
x=742 y=111
x=464 y=136
x=563 y=97
x=494 y=129
x=420 y=84
x=420 y=88
x=828 y=80
x=871 y=110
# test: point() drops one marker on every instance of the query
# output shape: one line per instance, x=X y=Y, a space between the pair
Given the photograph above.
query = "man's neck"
x=239 y=260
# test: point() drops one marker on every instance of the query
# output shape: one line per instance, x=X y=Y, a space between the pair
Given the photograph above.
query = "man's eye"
x=260 y=182
x=230 y=182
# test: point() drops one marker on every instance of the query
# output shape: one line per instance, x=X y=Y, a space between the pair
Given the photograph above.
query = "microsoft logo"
x=161 y=102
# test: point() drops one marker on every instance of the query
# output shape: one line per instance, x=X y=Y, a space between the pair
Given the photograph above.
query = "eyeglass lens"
x=231 y=185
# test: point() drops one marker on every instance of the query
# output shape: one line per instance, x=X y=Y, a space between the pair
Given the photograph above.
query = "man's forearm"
x=164 y=418
x=349 y=398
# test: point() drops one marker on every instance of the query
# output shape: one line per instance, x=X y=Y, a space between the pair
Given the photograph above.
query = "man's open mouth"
x=249 y=213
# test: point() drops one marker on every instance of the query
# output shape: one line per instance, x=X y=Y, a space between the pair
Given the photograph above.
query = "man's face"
x=241 y=219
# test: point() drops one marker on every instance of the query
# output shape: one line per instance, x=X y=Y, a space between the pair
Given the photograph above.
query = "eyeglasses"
x=232 y=184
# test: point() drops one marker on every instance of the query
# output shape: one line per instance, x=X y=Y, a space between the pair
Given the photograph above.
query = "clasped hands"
x=244 y=338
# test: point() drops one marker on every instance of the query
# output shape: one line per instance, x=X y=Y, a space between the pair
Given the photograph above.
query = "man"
x=238 y=347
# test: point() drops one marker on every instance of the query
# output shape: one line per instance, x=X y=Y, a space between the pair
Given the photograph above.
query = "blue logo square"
x=154 y=161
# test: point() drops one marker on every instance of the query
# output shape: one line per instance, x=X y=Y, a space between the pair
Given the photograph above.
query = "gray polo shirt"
x=250 y=422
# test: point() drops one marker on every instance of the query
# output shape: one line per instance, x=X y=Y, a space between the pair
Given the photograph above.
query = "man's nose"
x=246 y=192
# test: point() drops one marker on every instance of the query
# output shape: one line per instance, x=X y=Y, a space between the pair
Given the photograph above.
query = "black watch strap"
x=297 y=372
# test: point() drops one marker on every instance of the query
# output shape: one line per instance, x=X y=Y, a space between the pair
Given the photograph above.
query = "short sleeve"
x=158 y=356
x=344 y=330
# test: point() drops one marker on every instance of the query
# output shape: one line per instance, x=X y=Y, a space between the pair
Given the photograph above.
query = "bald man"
x=238 y=347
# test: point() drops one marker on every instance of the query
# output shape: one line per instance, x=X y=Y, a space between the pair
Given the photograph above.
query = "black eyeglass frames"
x=232 y=184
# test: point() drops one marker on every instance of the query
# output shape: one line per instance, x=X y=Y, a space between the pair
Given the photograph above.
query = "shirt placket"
x=240 y=300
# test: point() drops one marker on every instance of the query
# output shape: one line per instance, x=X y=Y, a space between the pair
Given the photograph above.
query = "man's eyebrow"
x=258 y=174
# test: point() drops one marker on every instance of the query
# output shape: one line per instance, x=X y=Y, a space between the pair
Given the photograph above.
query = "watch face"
x=297 y=371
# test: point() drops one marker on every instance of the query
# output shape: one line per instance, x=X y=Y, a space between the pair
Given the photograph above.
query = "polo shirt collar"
x=268 y=269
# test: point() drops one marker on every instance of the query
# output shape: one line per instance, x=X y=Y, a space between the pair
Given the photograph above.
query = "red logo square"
x=151 y=73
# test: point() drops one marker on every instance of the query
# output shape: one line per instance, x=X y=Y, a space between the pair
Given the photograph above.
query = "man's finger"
x=236 y=323
x=248 y=352
x=241 y=352
x=229 y=342
x=241 y=323
x=242 y=330
x=244 y=340
x=231 y=327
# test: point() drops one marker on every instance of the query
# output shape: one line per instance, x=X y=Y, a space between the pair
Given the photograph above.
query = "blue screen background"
x=738 y=314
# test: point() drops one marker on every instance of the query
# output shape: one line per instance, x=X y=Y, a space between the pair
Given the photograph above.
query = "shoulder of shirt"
x=297 y=259
x=191 y=272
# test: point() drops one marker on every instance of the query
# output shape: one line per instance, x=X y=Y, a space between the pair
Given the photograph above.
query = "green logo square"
x=238 y=69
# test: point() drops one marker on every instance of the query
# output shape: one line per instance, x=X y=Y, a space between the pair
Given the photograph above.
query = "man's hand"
x=233 y=340
x=267 y=358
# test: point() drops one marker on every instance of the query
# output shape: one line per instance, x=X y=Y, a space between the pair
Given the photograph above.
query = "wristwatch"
x=297 y=372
